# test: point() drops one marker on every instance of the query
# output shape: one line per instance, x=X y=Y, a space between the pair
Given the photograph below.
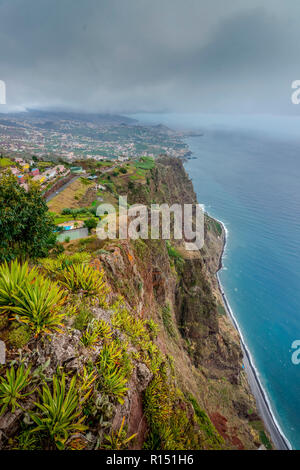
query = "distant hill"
x=49 y=116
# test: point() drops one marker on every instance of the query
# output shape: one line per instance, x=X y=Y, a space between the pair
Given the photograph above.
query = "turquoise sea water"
x=247 y=174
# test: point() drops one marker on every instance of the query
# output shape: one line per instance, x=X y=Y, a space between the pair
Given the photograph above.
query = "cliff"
x=174 y=359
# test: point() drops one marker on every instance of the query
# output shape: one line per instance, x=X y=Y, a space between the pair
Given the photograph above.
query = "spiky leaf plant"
x=59 y=411
x=39 y=306
x=12 y=387
x=84 y=277
x=118 y=440
x=13 y=276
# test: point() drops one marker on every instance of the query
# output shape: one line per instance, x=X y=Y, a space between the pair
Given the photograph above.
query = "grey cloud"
x=153 y=55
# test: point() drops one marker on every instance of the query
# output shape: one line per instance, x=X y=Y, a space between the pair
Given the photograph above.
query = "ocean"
x=246 y=171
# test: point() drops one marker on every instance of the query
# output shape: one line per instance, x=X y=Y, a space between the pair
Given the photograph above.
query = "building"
x=21 y=179
x=49 y=174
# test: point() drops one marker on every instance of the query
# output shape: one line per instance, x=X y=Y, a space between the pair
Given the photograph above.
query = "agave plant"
x=12 y=386
x=59 y=411
x=91 y=334
x=63 y=261
x=113 y=383
x=96 y=330
x=131 y=325
x=13 y=276
x=118 y=440
x=38 y=305
x=84 y=277
x=111 y=354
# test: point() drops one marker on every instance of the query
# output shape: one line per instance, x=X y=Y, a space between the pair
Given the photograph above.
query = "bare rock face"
x=9 y=422
x=143 y=377
x=62 y=349
x=2 y=352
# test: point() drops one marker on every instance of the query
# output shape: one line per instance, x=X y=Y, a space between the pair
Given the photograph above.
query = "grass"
x=259 y=427
x=145 y=163
x=221 y=310
x=70 y=197
x=212 y=438
x=5 y=162
x=168 y=321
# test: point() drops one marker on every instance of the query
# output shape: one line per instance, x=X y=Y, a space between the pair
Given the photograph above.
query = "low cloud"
x=142 y=55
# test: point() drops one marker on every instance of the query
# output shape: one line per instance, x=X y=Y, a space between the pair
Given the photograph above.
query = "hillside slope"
x=144 y=347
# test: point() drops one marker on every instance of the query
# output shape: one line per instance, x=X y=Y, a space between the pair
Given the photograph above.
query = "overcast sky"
x=228 y=56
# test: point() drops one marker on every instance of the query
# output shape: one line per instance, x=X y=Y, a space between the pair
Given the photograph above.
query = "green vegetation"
x=83 y=317
x=62 y=261
x=30 y=298
x=213 y=225
x=12 y=388
x=175 y=256
x=118 y=440
x=59 y=411
x=221 y=309
x=85 y=278
x=38 y=306
x=90 y=224
x=212 y=439
x=258 y=426
x=26 y=226
x=168 y=320
x=19 y=337
x=145 y=163
x=95 y=331
x=5 y=162
x=112 y=375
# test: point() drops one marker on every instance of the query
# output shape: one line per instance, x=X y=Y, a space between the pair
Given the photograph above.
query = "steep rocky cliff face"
x=182 y=295
x=176 y=349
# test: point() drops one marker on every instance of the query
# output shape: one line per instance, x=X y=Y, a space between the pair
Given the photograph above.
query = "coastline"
x=264 y=407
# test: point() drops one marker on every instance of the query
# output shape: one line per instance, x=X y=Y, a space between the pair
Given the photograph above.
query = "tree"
x=26 y=227
x=90 y=223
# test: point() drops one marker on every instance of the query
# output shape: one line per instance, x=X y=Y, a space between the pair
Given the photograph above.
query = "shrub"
x=118 y=440
x=90 y=224
x=84 y=277
x=12 y=387
x=66 y=211
x=59 y=411
x=110 y=355
x=13 y=276
x=113 y=383
x=152 y=327
x=26 y=226
x=175 y=256
x=30 y=298
x=55 y=265
x=96 y=330
x=132 y=326
x=112 y=375
x=38 y=305
x=212 y=438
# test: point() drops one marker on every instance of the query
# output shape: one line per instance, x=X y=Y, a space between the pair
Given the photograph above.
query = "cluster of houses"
x=25 y=169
